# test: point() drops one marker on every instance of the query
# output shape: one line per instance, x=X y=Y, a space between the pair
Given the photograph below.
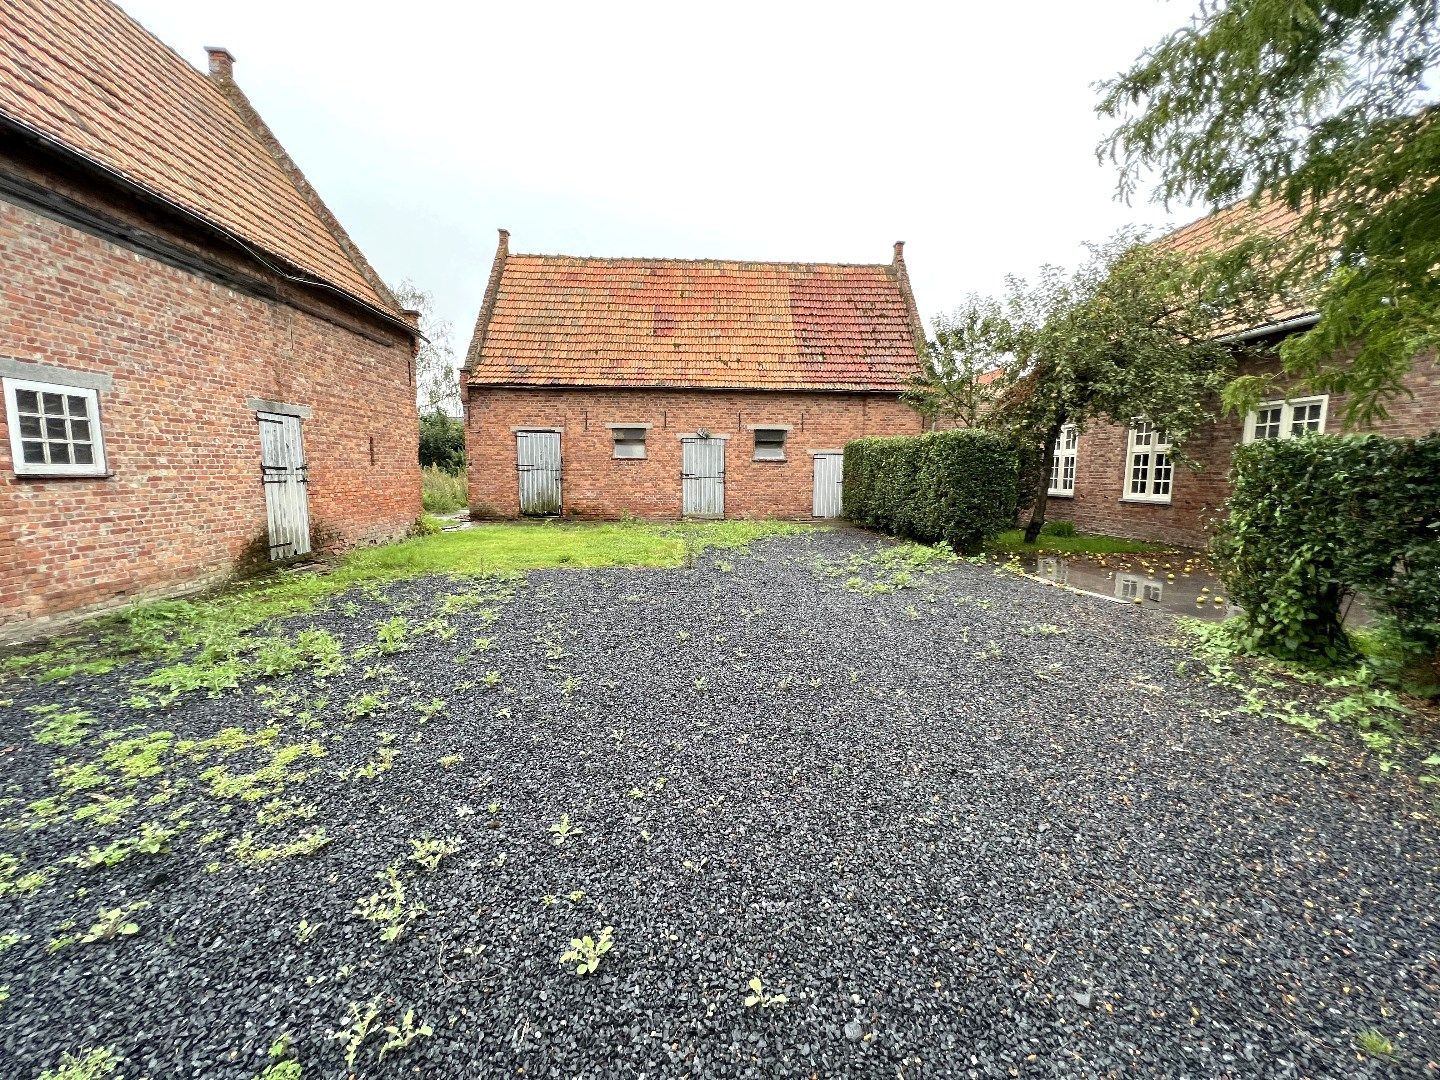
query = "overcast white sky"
x=804 y=131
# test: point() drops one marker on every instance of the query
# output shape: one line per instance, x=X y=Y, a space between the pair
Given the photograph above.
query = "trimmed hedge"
x=955 y=486
x=1312 y=521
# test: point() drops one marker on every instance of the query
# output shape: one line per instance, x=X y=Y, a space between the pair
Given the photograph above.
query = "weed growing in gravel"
x=430 y=709
x=95 y=1064
x=153 y=840
x=896 y=566
x=366 y=704
x=585 y=952
x=428 y=852
x=404 y=1033
x=13 y=882
x=61 y=728
x=280 y=1068
x=113 y=923
x=354 y=1033
x=306 y=931
x=383 y=762
x=563 y=830
x=762 y=998
x=388 y=906
x=1373 y=1043
x=449 y=761
x=246 y=850
x=9 y=939
x=391 y=636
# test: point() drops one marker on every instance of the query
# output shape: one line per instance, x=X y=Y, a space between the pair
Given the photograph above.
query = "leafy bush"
x=955 y=486
x=442 y=442
x=440 y=491
x=1063 y=529
x=1313 y=521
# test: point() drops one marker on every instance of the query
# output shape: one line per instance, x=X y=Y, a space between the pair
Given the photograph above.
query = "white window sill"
x=62 y=476
x=1141 y=500
x=1060 y=494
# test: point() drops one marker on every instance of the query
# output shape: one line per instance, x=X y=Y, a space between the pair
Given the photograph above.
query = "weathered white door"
x=829 y=475
x=702 y=477
x=537 y=460
x=285 y=474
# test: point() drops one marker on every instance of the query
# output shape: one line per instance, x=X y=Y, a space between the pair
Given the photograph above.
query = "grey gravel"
x=959 y=845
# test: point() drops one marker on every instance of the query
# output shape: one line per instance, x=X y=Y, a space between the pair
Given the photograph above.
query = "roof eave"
x=271 y=260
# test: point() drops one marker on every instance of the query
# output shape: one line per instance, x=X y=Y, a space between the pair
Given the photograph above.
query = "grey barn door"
x=702 y=477
x=285 y=474
x=537 y=460
x=829 y=474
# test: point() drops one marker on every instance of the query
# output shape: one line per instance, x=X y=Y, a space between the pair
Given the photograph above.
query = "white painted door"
x=285 y=474
x=702 y=477
x=829 y=475
x=537 y=460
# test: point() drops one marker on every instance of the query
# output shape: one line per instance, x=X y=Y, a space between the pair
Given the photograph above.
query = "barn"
x=200 y=371
x=662 y=388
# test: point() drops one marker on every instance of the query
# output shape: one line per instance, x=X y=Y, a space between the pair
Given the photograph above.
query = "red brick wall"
x=185 y=502
x=1198 y=494
x=598 y=485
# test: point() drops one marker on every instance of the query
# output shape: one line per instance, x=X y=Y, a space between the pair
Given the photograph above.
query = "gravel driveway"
x=969 y=827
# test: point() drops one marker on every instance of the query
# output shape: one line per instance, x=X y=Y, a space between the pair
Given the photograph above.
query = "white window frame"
x=1067 y=452
x=18 y=464
x=1287 y=417
x=783 y=432
x=625 y=434
x=1152 y=449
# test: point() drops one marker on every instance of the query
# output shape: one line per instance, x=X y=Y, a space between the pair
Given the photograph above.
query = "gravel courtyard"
x=961 y=823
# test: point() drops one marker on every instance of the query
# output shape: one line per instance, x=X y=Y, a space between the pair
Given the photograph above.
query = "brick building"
x=198 y=366
x=1122 y=482
x=666 y=387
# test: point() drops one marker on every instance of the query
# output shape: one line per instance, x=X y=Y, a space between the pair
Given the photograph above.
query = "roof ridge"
x=704 y=261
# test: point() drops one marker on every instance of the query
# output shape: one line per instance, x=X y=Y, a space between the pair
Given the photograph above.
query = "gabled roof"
x=556 y=320
x=83 y=74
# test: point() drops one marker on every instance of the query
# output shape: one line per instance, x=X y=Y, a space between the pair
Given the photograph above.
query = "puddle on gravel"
x=1179 y=582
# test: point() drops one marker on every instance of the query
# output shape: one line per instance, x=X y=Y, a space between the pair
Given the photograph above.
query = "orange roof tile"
x=1222 y=230
x=552 y=320
x=84 y=74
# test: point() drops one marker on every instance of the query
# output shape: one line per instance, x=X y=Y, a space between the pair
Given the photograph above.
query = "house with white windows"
x=1123 y=481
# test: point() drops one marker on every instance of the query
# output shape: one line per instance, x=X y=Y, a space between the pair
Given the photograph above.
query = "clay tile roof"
x=1220 y=231
x=553 y=320
x=84 y=74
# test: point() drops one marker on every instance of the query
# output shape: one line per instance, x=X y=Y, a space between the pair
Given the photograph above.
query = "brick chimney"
x=504 y=249
x=222 y=64
x=899 y=259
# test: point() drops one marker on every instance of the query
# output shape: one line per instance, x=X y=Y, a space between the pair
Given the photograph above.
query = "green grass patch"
x=1013 y=543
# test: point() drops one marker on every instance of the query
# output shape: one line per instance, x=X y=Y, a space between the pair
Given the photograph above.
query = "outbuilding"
x=662 y=388
x=199 y=369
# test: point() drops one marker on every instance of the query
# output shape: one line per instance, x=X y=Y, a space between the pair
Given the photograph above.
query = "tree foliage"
x=1324 y=106
x=437 y=385
x=442 y=442
x=1130 y=333
x=958 y=362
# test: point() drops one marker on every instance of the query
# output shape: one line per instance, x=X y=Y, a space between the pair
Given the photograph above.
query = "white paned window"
x=1149 y=469
x=1062 y=465
x=629 y=442
x=1287 y=419
x=54 y=429
x=770 y=444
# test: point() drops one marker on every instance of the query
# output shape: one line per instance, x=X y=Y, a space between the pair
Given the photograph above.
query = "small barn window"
x=629 y=442
x=770 y=444
x=1286 y=419
x=54 y=429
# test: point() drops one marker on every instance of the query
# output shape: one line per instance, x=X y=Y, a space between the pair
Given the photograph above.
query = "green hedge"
x=955 y=486
x=1313 y=521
